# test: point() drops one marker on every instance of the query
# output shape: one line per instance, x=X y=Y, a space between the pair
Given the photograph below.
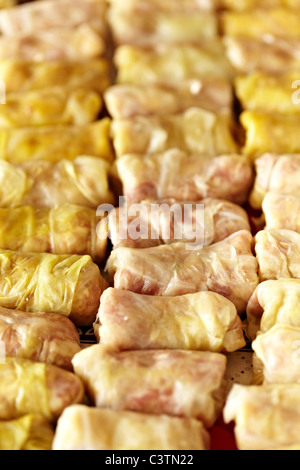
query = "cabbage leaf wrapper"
x=86 y=428
x=204 y=321
x=30 y=432
x=41 y=337
x=70 y=285
x=29 y=387
x=176 y=383
x=227 y=268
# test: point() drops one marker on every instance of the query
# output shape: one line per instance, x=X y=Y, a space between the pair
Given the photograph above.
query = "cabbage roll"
x=141 y=66
x=281 y=23
x=167 y=6
x=274 y=303
x=66 y=229
x=57 y=105
x=178 y=175
x=278 y=254
x=243 y=5
x=270 y=55
x=53 y=143
x=148 y=30
x=167 y=221
x=203 y=321
x=270 y=133
x=267 y=92
x=227 y=267
x=277 y=356
x=177 y=383
x=41 y=337
x=30 y=432
x=75 y=43
x=83 y=181
x=29 y=387
x=275 y=173
x=21 y=75
x=42 y=16
x=282 y=212
x=129 y=101
x=195 y=131
x=70 y=285
x=86 y=428
x=266 y=418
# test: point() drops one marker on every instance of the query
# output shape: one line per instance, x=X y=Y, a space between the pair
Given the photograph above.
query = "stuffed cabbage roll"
x=277 y=358
x=228 y=268
x=75 y=43
x=177 y=383
x=41 y=337
x=70 y=285
x=29 y=387
x=57 y=105
x=83 y=181
x=270 y=133
x=203 y=321
x=278 y=254
x=167 y=221
x=129 y=101
x=66 y=229
x=275 y=173
x=281 y=23
x=268 y=54
x=267 y=92
x=148 y=30
x=282 y=212
x=22 y=75
x=168 y=6
x=266 y=418
x=243 y=5
x=56 y=142
x=195 y=131
x=184 y=177
x=86 y=428
x=274 y=303
x=141 y=66
x=42 y=16
x=30 y=432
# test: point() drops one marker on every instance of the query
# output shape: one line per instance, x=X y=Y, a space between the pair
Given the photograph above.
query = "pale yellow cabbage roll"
x=29 y=387
x=87 y=428
x=41 y=337
x=278 y=254
x=185 y=177
x=23 y=75
x=203 y=321
x=84 y=182
x=227 y=267
x=30 y=432
x=274 y=303
x=50 y=106
x=142 y=66
x=56 y=142
x=66 y=229
x=41 y=16
x=70 y=285
x=266 y=418
x=74 y=43
x=176 y=383
x=128 y=101
x=194 y=131
x=275 y=173
x=167 y=221
x=282 y=212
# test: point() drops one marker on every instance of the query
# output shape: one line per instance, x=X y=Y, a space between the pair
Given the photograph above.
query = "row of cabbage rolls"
x=159 y=128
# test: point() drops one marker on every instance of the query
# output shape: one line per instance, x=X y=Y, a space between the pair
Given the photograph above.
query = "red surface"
x=222 y=436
